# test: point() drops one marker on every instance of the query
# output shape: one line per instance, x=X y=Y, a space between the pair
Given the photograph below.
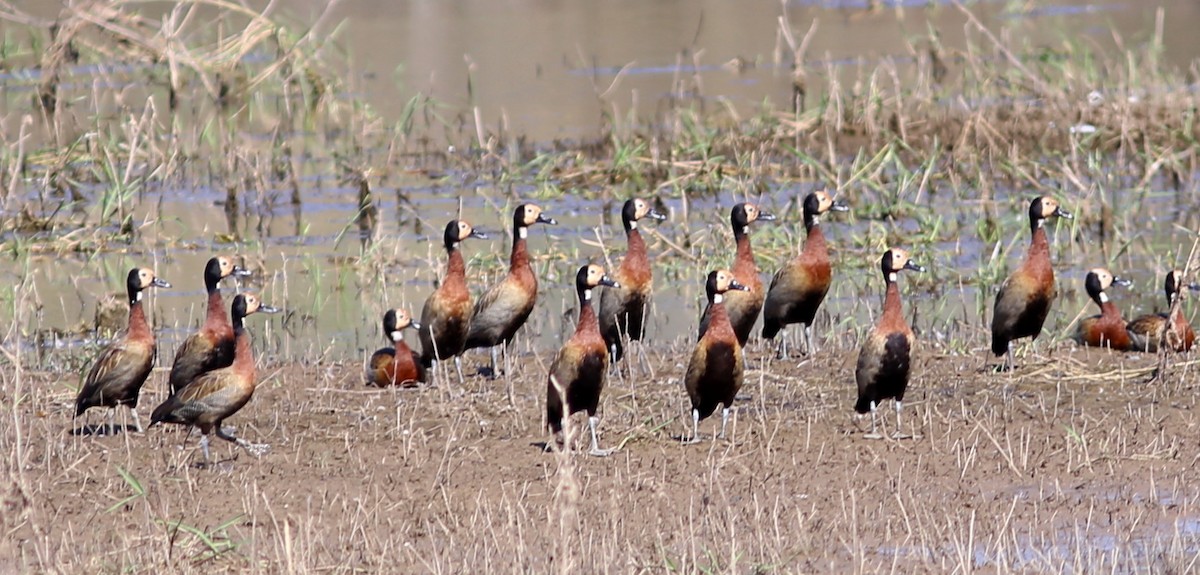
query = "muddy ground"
x=1074 y=463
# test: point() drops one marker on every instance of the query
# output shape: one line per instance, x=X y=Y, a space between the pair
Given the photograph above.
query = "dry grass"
x=1072 y=464
x=1038 y=471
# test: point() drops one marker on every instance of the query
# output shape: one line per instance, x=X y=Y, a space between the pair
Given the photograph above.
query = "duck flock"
x=213 y=372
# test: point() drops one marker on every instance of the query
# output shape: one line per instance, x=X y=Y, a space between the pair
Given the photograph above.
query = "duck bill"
x=1194 y=287
x=656 y=215
x=477 y=235
x=544 y=219
x=1122 y=282
x=415 y=325
x=1064 y=214
x=159 y=283
x=738 y=286
x=241 y=272
x=263 y=308
x=839 y=206
x=607 y=281
x=766 y=217
x=909 y=265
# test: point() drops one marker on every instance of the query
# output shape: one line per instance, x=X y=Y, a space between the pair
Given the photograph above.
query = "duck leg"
x=204 y=447
x=873 y=434
x=781 y=349
x=495 y=360
x=596 y=451
x=458 y=366
x=137 y=421
x=255 y=449
x=724 y=420
x=898 y=434
x=810 y=343
x=695 y=429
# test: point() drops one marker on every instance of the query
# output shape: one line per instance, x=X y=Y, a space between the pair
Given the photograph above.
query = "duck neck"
x=1107 y=308
x=744 y=262
x=520 y=256
x=215 y=316
x=587 y=315
x=139 y=328
x=635 y=253
x=243 y=355
x=815 y=243
x=1039 y=246
x=456 y=268
x=892 y=311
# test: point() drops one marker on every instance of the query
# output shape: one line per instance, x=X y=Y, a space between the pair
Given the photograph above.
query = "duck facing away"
x=212 y=397
x=1025 y=297
x=1108 y=328
x=623 y=309
x=1152 y=331
x=714 y=374
x=885 y=360
x=743 y=306
x=211 y=347
x=117 y=376
x=396 y=365
x=505 y=306
x=579 y=370
x=799 y=287
x=446 y=316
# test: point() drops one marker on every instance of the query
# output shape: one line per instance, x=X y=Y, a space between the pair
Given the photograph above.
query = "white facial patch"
x=1103 y=297
x=745 y=230
x=816 y=220
x=137 y=296
x=523 y=232
x=397 y=335
x=587 y=295
x=718 y=298
x=633 y=225
x=892 y=277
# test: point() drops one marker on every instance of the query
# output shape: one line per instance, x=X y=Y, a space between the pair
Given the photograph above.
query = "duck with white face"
x=885 y=359
x=717 y=369
x=1171 y=330
x=119 y=372
x=1107 y=329
x=580 y=369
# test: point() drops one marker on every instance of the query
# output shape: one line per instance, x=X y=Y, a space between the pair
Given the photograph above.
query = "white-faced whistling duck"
x=714 y=374
x=1170 y=330
x=885 y=359
x=799 y=287
x=212 y=397
x=743 y=307
x=446 y=316
x=1108 y=328
x=623 y=309
x=117 y=376
x=211 y=347
x=578 y=372
x=1025 y=297
x=396 y=365
x=505 y=306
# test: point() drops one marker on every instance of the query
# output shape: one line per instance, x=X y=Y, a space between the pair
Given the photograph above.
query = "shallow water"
x=537 y=68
